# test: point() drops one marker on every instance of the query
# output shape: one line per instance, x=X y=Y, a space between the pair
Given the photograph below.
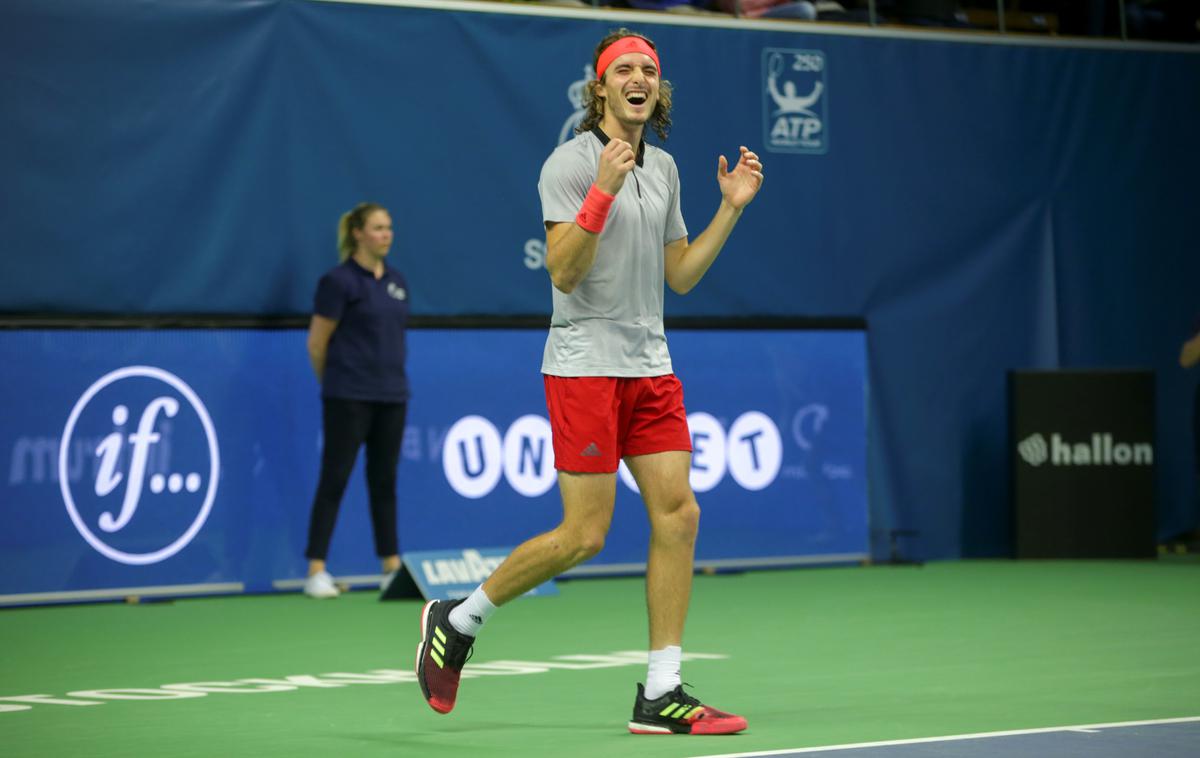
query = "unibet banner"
x=150 y=459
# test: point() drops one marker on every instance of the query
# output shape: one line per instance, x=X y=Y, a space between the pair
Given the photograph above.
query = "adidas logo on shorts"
x=591 y=451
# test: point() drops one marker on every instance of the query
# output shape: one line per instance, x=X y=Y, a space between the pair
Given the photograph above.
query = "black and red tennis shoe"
x=441 y=655
x=443 y=651
x=679 y=713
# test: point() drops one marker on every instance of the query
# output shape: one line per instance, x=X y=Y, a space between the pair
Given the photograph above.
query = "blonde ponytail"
x=355 y=218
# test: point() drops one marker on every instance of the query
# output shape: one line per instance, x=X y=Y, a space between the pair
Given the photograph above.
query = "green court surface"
x=811 y=657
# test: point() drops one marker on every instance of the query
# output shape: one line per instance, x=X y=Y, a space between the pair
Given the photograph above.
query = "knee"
x=690 y=515
x=682 y=520
x=588 y=544
x=580 y=545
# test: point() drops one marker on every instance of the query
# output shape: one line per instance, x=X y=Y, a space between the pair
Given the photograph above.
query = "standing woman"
x=356 y=345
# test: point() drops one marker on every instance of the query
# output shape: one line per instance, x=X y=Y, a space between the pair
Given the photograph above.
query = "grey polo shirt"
x=612 y=323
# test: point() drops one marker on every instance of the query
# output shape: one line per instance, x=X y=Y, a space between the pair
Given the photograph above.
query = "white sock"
x=662 y=676
x=469 y=615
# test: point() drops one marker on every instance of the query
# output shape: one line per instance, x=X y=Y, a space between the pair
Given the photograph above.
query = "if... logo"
x=158 y=465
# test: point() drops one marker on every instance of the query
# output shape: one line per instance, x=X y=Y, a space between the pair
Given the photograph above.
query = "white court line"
x=953 y=737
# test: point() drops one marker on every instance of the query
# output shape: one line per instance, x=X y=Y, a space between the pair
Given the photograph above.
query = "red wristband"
x=594 y=212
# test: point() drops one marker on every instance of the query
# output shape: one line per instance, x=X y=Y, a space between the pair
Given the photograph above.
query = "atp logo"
x=142 y=508
x=794 y=109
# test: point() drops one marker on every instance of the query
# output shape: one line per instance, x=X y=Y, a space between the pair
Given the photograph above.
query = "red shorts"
x=597 y=420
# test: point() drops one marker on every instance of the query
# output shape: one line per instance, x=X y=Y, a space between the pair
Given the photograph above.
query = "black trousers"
x=348 y=425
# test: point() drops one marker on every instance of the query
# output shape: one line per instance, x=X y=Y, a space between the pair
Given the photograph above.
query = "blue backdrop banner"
x=978 y=199
x=143 y=459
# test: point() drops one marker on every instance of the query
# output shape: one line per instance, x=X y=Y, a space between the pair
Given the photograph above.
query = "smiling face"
x=630 y=93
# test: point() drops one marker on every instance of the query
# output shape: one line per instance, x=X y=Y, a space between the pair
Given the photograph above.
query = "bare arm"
x=571 y=249
x=1190 y=354
x=320 y=329
x=686 y=263
x=570 y=253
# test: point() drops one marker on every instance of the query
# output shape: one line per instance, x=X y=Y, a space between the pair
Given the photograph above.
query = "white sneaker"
x=320 y=585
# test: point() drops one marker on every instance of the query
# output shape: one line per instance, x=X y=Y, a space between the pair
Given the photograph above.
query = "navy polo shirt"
x=366 y=353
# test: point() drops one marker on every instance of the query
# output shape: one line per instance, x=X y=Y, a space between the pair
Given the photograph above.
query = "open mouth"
x=636 y=98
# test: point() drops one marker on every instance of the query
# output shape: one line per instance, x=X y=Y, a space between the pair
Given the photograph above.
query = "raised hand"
x=616 y=161
x=740 y=185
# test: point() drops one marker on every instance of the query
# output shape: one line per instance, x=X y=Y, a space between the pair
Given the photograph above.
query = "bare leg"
x=315 y=567
x=674 y=521
x=587 y=513
x=390 y=563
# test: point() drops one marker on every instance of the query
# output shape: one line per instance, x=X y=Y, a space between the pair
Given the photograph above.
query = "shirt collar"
x=356 y=266
x=600 y=135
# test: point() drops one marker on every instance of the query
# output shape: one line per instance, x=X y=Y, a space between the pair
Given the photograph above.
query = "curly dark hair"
x=660 y=119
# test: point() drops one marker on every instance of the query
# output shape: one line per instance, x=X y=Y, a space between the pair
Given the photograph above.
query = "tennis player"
x=614 y=235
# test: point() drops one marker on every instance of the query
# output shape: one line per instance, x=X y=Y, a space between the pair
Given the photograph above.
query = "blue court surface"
x=1164 y=738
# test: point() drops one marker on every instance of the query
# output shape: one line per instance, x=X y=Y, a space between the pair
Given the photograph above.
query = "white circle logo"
x=475 y=456
x=471 y=456
x=754 y=450
x=529 y=456
x=117 y=467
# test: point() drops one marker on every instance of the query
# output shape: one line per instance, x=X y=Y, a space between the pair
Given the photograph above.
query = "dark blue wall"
x=985 y=205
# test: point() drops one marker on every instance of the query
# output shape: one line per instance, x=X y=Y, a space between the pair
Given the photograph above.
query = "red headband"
x=622 y=46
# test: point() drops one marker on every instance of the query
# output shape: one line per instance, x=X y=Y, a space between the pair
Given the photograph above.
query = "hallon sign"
x=1100 y=449
x=1083 y=463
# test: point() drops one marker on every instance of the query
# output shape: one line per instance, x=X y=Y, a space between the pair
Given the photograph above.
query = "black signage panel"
x=1082 y=447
